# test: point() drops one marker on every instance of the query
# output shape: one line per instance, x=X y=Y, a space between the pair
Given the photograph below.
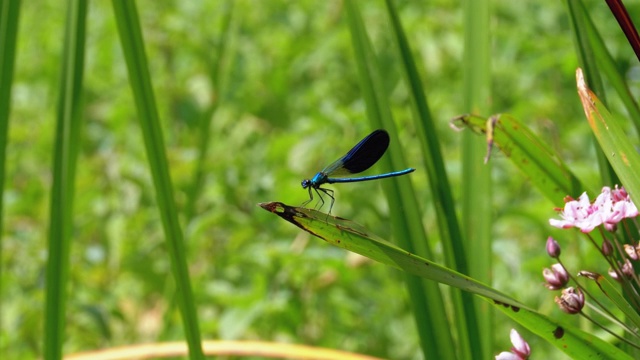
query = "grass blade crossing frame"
x=64 y=168
x=9 y=15
x=477 y=194
x=133 y=49
x=426 y=298
x=451 y=235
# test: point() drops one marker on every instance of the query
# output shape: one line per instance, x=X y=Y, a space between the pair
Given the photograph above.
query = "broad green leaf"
x=351 y=236
x=538 y=162
x=354 y=237
x=611 y=135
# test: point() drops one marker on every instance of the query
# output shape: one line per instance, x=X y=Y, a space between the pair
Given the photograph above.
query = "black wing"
x=366 y=153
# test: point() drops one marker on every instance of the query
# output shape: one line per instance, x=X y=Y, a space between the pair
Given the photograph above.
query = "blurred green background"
x=283 y=103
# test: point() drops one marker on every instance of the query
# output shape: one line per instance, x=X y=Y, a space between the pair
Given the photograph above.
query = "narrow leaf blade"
x=615 y=143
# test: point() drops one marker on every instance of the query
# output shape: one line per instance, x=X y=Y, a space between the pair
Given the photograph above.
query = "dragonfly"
x=361 y=157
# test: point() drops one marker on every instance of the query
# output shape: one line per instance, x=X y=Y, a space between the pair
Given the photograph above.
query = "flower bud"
x=556 y=278
x=553 y=248
x=627 y=269
x=571 y=301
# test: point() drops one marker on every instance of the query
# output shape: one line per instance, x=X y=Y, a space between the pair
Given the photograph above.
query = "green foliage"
x=354 y=237
x=254 y=96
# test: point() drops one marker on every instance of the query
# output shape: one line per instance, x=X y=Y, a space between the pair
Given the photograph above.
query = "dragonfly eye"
x=306 y=183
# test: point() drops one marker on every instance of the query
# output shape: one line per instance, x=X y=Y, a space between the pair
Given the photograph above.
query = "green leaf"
x=9 y=16
x=65 y=156
x=610 y=290
x=451 y=238
x=476 y=208
x=426 y=298
x=351 y=236
x=133 y=49
x=538 y=162
x=569 y=339
x=615 y=143
x=588 y=52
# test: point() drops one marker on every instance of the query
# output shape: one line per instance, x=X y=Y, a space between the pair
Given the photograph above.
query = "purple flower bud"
x=625 y=272
x=571 y=301
x=553 y=248
x=627 y=268
x=556 y=277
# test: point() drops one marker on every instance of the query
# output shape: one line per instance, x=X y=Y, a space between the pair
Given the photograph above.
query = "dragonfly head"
x=306 y=183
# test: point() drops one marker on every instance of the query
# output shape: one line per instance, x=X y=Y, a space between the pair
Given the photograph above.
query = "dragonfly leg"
x=329 y=193
x=310 y=198
x=320 y=200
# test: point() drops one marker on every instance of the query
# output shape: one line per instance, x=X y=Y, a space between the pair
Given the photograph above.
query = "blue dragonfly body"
x=366 y=153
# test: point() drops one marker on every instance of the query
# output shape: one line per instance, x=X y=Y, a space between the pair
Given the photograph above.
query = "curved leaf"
x=351 y=236
x=354 y=237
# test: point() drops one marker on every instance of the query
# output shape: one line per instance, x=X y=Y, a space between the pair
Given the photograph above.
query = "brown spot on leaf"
x=558 y=332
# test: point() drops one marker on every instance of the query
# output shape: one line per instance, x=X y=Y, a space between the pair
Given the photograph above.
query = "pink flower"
x=578 y=213
x=614 y=206
x=519 y=351
x=609 y=208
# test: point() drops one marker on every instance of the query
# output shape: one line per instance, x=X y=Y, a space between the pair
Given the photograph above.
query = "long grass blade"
x=64 y=168
x=9 y=16
x=133 y=49
x=427 y=301
x=476 y=209
x=451 y=235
